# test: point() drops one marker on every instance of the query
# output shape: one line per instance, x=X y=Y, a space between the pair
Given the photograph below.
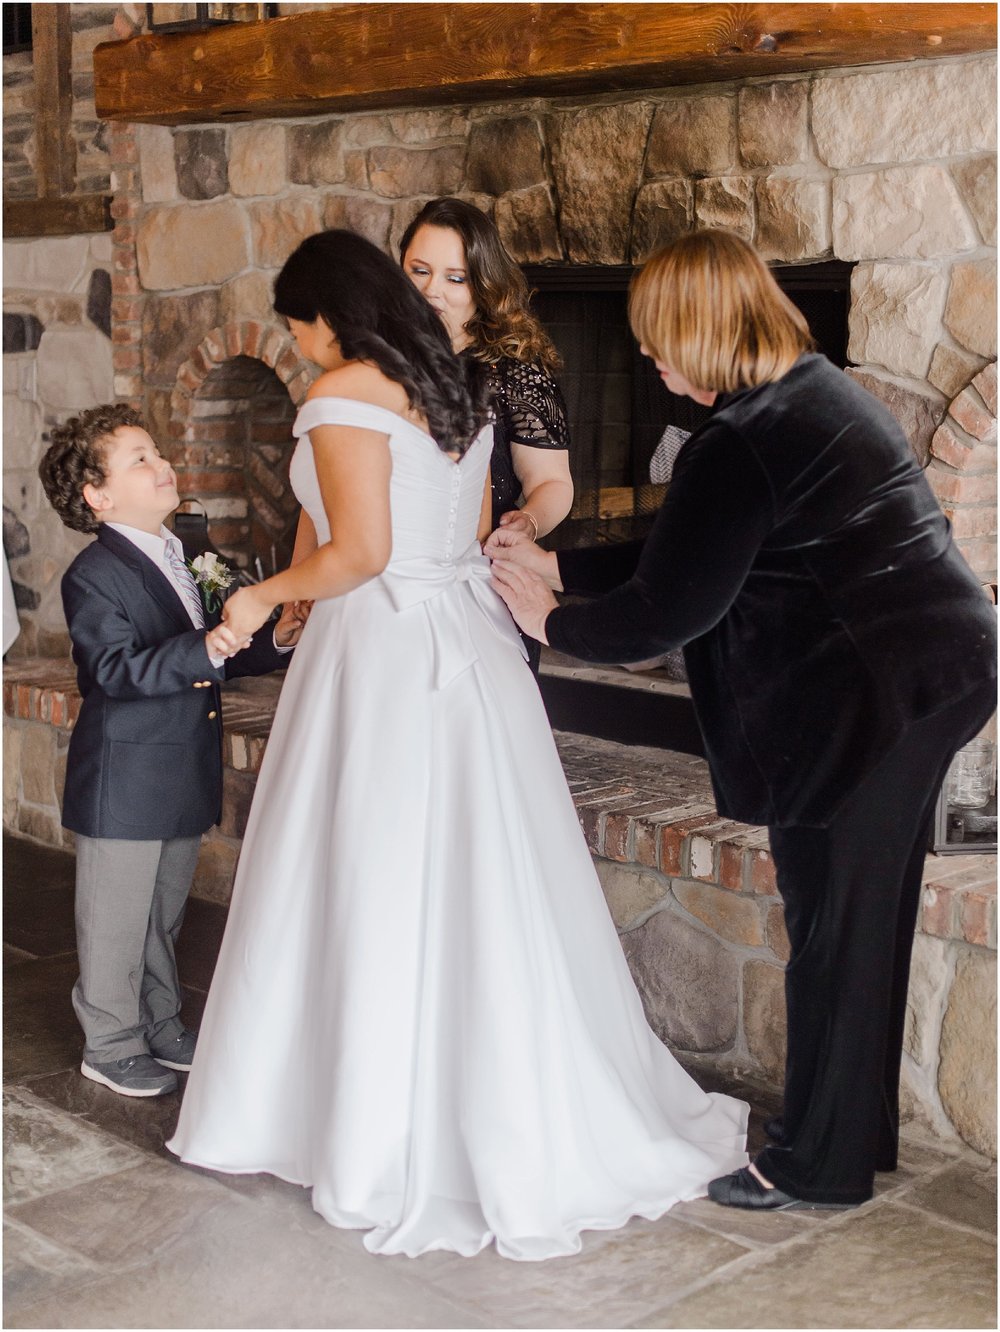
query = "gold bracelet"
x=534 y=522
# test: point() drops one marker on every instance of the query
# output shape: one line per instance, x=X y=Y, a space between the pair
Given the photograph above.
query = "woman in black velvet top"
x=839 y=652
x=454 y=255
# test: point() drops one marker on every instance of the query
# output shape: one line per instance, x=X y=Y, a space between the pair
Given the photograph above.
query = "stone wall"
x=891 y=167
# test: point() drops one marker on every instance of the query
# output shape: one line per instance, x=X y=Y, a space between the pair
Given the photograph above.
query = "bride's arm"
x=486 y=512
x=354 y=468
x=306 y=540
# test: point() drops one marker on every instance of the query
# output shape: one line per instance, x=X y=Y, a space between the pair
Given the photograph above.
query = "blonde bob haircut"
x=707 y=306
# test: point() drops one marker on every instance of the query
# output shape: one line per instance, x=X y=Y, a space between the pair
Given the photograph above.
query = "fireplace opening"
x=237 y=446
x=625 y=428
x=619 y=408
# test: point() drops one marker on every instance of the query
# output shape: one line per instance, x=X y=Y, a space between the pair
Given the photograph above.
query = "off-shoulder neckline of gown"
x=396 y=416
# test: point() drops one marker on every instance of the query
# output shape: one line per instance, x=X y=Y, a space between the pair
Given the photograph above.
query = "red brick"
x=670 y=851
x=123 y=208
x=950 y=448
x=287 y=364
x=644 y=838
x=126 y=358
x=229 y=532
x=125 y=284
x=224 y=430
x=971 y=414
x=986 y=383
x=761 y=878
x=961 y=488
x=731 y=866
x=937 y=911
x=591 y=821
x=976 y=911
x=616 y=836
x=212 y=482
x=127 y=309
x=974 y=520
x=981 y=557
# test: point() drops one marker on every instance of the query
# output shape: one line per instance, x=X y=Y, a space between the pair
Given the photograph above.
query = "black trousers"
x=852 y=892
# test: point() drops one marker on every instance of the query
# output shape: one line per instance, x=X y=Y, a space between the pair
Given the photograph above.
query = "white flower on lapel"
x=213 y=576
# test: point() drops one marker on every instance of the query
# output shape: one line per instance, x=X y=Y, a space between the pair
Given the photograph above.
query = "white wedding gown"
x=421 y=1009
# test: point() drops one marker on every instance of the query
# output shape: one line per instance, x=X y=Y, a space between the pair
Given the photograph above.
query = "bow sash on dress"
x=416 y=581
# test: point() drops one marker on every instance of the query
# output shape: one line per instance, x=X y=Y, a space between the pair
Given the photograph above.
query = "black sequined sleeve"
x=535 y=407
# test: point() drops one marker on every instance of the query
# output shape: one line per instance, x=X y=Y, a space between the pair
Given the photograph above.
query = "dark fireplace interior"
x=619 y=408
x=618 y=411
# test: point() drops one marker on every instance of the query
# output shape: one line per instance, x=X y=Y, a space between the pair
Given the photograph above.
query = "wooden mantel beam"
x=361 y=56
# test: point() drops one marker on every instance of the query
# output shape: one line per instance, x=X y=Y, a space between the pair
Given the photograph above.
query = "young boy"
x=144 y=772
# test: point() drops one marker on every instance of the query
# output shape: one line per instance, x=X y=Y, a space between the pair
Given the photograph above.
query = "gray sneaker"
x=177 y=1052
x=138 y=1075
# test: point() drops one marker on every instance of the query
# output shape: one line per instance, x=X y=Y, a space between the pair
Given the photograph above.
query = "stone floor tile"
x=12 y=957
x=883 y=1266
x=45 y=1151
x=35 y=1269
x=144 y=1122
x=756 y=1229
x=617 y=1277
x=120 y=1219
x=240 y=1266
x=41 y=1034
x=963 y=1194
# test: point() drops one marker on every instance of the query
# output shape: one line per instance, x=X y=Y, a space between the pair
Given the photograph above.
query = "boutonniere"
x=213 y=576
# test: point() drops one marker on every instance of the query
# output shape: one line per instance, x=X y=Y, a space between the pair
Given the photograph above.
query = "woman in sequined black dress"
x=453 y=254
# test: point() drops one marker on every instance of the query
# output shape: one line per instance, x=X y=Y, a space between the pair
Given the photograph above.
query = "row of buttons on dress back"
x=456 y=484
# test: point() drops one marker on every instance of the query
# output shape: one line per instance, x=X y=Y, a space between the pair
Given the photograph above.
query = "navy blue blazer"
x=803 y=562
x=145 y=756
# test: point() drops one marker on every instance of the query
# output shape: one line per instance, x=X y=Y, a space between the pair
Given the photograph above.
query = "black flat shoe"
x=744 y=1189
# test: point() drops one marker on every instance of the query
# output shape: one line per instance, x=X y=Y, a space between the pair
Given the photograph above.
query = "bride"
x=421 y=1010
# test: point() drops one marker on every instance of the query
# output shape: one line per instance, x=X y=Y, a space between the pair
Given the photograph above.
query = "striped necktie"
x=186 y=586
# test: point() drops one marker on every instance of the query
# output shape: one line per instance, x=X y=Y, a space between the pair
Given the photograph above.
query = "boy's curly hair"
x=76 y=458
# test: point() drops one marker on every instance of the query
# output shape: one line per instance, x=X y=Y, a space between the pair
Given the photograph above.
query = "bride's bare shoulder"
x=362 y=382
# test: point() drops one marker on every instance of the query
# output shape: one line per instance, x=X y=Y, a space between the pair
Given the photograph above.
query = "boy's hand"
x=222 y=642
x=288 y=629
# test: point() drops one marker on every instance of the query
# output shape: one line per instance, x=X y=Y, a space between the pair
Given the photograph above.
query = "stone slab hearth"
x=693 y=897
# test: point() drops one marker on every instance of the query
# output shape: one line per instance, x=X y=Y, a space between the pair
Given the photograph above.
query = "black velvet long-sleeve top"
x=803 y=562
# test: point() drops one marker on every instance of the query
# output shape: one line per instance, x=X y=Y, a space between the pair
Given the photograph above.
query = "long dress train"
x=421 y=1008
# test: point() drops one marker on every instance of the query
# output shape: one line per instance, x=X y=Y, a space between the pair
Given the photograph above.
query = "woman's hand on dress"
x=245 y=611
x=520 y=521
x=515 y=548
x=528 y=597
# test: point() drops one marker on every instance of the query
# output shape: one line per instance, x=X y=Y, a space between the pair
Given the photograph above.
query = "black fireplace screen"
x=619 y=409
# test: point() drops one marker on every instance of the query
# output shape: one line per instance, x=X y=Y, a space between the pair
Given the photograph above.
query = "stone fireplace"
x=890 y=169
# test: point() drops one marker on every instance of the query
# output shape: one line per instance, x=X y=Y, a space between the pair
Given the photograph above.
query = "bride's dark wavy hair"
x=377 y=315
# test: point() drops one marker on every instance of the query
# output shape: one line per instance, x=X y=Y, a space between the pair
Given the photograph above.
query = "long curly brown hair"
x=502 y=325
x=76 y=457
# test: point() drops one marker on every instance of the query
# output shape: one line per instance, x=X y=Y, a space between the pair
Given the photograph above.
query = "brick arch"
x=272 y=345
x=231 y=416
x=962 y=470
